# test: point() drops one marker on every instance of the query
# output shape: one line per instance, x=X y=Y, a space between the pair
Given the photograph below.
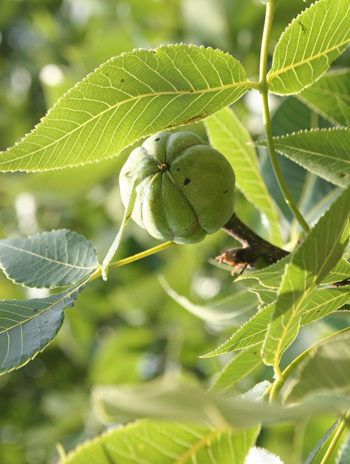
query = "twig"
x=255 y=249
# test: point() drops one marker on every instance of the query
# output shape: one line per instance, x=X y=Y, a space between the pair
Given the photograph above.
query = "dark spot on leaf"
x=225 y=191
x=187 y=181
x=157 y=139
x=302 y=26
x=343 y=174
x=122 y=80
x=191 y=91
x=178 y=169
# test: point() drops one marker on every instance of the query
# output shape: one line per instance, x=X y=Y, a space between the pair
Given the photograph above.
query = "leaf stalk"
x=270 y=11
x=131 y=259
x=337 y=435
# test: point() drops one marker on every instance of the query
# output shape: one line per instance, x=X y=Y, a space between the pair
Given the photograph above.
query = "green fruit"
x=185 y=190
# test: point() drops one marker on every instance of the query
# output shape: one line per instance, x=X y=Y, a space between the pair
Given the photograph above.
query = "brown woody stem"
x=254 y=247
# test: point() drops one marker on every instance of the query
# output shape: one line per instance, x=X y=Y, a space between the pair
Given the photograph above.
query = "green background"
x=126 y=330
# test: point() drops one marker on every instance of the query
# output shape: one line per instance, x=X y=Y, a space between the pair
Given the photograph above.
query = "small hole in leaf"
x=225 y=191
x=178 y=169
x=187 y=181
x=157 y=139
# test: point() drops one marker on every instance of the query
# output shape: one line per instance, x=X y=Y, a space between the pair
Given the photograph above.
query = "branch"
x=255 y=252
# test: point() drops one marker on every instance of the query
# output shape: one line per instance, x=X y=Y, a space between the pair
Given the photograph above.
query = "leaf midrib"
x=311 y=287
x=314 y=153
x=38 y=313
x=113 y=107
x=62 y=263
x=197 y=446
x=308 y=60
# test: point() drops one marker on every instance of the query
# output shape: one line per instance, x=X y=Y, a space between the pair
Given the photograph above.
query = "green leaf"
x=150 y=442
x=236 y=305
x=27 y=326
x=51 y=259
x=310 y=264
x=321 y=151
x=308 y=46
x=271 y=276
x=344 y=454
x=319 y=445
x=323 y=302
x=228 y=135
x=129 y=97
x=173 y=400
x=238 y=368
x=292 y=116
x=248 y=335
x=266 y=295
x=317 y=305
x=326 y=367
x=330 y=96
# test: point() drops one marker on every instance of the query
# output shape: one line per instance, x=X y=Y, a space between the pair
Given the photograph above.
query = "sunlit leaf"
x=319 y=445
x=311 y=262
x=238 y=368
x=330 y=96
x=317 y=305
x=271 y=276
x=127 y=98
x=228 y=135
x=51 y=259
x=322 y=152
x=326 y=367
x=308 y=46
x=27 y=326
x=150 y=442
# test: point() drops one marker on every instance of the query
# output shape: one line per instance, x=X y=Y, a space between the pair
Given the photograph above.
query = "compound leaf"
x=311 y=262
x=317 y=305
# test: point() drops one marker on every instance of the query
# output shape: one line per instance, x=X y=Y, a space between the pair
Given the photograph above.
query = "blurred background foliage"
x=127 y=330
